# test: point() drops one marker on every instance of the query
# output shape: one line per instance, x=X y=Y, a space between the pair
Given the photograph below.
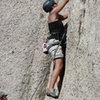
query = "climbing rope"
x=38 y=86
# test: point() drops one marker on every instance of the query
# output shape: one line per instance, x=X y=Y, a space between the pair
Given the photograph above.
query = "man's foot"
x=52 y=93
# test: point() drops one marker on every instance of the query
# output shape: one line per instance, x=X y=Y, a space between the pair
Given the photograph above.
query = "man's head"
x=3 y=96
x=49 y=5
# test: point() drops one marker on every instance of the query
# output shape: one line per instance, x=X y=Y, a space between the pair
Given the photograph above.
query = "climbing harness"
x=60 y=42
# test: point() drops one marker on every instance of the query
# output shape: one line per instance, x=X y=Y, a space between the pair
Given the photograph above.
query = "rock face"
x=82 y=74
x=24 y=69
x=22 y=63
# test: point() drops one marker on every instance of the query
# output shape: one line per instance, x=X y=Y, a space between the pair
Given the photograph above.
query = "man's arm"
x=60 y=6
x=63 y=16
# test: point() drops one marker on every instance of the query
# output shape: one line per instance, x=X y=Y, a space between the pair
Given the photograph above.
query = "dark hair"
x=47 y=6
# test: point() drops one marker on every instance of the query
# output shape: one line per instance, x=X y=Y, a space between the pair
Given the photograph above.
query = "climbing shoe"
x=52 y=93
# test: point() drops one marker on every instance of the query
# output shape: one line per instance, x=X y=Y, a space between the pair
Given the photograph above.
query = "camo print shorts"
x=55 y=50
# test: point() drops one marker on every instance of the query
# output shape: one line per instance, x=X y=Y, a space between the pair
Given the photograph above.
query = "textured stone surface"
x=24 y=68
x=82 y=74
x=22 y=64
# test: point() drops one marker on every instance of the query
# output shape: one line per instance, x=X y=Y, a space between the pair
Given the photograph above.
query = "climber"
x=3 y=96
x=54 y=47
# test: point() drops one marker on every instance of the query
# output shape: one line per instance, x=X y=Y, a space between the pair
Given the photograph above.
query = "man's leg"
x=57 y=70
x=60 y=80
